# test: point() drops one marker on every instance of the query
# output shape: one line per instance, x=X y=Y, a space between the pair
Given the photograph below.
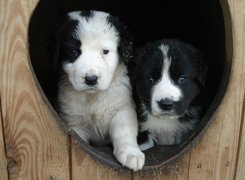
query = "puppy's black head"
x=167 y=76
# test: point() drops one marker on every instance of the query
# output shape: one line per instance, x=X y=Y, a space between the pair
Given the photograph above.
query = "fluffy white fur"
x=165 y=127
x=105 y=109
x=96 y=35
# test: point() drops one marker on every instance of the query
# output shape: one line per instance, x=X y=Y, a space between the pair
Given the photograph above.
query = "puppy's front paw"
x=130 y=156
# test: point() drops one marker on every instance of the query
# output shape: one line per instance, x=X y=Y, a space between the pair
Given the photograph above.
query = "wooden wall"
x=34 y=146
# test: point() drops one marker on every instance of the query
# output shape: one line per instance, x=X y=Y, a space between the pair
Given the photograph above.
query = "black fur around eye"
x=182 y=79
x=150 y=78
x=105 y=51
x=74 y=53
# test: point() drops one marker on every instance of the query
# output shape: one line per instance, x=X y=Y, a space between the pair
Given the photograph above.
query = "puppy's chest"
x=94 y=111
x=160 y=125
x=166 y=130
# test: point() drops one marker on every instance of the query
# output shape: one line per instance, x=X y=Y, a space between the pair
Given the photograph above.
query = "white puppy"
x=91 y=49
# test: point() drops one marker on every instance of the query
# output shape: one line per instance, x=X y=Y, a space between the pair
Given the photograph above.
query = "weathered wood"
x=36 y=147
x=240 y=166
x=3 y=159
x=215 y=156
x=85 y=167
x=176 y=170
x=238 y=12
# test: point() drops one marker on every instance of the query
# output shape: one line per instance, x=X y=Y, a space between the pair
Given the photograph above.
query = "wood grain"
x=37 y=148
x=85 y=167
x=176 y=170
x=215 y=157
x=240 y=166
x=3 y=159
x=35 y=145
x=239 y=24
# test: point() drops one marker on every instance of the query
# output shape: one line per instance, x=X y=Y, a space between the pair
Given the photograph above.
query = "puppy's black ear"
x=139 y=56
x=125 y=47
x=52 y=45
x=202 y=68
x=198 y=61
x=52 y=49
x=203 y=74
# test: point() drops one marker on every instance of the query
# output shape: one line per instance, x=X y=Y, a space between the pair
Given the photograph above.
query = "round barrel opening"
x=200 y=23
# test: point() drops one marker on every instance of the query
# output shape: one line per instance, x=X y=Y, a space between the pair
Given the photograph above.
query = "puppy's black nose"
x=91 y=80
x=166 y=104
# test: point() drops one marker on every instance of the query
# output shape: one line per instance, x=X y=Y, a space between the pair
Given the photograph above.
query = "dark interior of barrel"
x=200 y=23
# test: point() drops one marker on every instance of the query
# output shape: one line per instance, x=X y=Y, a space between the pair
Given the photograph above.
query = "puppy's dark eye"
x=151 y=79
x=105 y=51
x=182 y=79
x=74 y=53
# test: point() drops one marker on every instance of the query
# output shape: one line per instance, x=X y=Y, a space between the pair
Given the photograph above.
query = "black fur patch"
x=145 y=71
x=143 y=78
x=143 y=137
x=87 y=14
x=125 y=47
x=63 y=32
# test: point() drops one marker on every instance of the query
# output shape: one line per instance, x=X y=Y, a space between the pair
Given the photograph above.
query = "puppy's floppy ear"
x=52 y=45
x=125 y=47
x=52 y=49
x=202 y=69
x=135 y=63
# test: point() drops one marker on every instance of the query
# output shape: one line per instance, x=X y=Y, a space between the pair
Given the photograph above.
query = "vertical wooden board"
x=36 y=147
x=240 y=166
x=3 y=160
x=176 y=170
x=85 y=167
x=215 y=157
x=239 y=22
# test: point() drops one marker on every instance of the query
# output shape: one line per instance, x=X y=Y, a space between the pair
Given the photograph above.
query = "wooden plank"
x=36 y=147
x=240 y=166
x=176 y=170
x=239 y=22
x=85 y=167
x=3 y=159
x=215 y=157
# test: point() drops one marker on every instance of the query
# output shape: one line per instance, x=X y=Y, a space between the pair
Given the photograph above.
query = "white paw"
x=130 y=156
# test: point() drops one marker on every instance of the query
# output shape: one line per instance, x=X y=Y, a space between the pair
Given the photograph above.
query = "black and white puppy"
x=167 y=78
x=91 y=48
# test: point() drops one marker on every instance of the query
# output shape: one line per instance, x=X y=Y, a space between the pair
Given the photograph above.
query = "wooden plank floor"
x=36 y=147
